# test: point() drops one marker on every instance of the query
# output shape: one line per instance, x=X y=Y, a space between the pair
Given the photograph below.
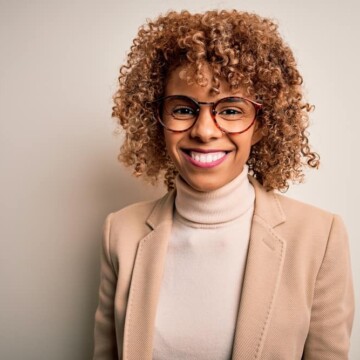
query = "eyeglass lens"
x=232 y=114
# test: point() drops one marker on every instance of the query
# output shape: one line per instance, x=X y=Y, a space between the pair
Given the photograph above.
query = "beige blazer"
x=297 y=299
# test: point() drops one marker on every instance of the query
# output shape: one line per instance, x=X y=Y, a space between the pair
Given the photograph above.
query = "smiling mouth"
x=205 y=159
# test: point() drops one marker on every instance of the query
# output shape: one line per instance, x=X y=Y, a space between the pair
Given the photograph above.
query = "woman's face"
x=192 y=150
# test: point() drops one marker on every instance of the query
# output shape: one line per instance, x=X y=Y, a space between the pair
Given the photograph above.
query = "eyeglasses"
x=233 y=115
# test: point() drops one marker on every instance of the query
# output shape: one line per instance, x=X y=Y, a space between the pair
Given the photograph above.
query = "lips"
x=205 y=158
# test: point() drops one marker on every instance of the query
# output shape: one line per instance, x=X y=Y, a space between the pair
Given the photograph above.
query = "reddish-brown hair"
x=245 y=50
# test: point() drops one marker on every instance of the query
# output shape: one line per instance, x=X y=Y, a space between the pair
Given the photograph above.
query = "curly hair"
x=241 y=48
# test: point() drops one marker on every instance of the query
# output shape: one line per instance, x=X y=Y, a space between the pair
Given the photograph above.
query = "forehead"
x=180 y=81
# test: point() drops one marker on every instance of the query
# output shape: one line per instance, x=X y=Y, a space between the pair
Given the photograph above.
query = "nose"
x=205 y=128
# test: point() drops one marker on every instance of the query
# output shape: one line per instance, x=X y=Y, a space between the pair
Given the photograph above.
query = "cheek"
x=243 y=146
x=170 y=143
x=241 y=142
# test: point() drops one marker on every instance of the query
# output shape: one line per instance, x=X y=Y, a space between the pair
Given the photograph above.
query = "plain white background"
x=59 y=174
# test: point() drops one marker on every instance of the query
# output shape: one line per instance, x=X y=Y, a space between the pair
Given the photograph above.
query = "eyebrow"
x=235 y=97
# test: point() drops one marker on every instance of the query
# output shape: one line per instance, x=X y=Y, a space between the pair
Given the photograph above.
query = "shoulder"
x=146 y=208
x=275 y=209
x=136 y=218
x=301 y=211
x=309 y=215
x=124 y=229
x=305 y=228
x=138 y=211
x=307 y=218
x=309 y=230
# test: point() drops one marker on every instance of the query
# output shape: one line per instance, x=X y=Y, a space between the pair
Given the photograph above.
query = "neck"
x=214 y=207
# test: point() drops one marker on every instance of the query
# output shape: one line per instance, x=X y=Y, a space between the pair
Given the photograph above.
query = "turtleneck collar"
x=214 y=207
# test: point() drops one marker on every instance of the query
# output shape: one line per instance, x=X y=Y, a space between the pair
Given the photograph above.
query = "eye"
x=183 y=110
x=180 y=108
x=234 y=109
x=231 y=111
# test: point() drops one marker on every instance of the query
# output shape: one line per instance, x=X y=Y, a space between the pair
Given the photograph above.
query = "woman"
x=221 y=267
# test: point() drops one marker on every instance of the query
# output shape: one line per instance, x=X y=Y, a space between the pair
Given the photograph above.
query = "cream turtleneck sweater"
x=204 y=269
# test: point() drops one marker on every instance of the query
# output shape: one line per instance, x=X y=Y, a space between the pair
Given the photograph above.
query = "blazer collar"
x=267 y=207
x=163 y=210
x=146 y=282
x=263 y=271
x=261 y=280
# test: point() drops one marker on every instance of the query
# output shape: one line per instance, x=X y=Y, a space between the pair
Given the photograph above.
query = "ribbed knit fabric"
x=203 y=273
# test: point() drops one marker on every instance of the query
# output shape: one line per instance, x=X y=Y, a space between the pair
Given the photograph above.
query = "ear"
x=258 y=133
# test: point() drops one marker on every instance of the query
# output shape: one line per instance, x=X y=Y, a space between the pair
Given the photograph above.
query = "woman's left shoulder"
x=297 y=210
x=290 y=212
x=311 y=223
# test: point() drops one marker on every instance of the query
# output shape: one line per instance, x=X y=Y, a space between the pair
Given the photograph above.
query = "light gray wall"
x=59 y=175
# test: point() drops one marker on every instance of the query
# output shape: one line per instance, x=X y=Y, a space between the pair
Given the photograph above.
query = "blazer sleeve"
x=332 y=310
x=105 y=347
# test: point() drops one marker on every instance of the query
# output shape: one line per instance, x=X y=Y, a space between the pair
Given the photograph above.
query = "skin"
x=204 y=136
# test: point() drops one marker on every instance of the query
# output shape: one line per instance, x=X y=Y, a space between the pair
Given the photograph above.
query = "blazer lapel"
x=146 y=282
x=262 y=276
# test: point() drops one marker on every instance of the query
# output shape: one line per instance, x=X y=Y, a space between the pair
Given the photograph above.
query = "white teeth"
x=207 y=158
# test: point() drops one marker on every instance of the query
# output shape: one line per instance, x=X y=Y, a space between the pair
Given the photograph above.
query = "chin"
x=203 y=186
